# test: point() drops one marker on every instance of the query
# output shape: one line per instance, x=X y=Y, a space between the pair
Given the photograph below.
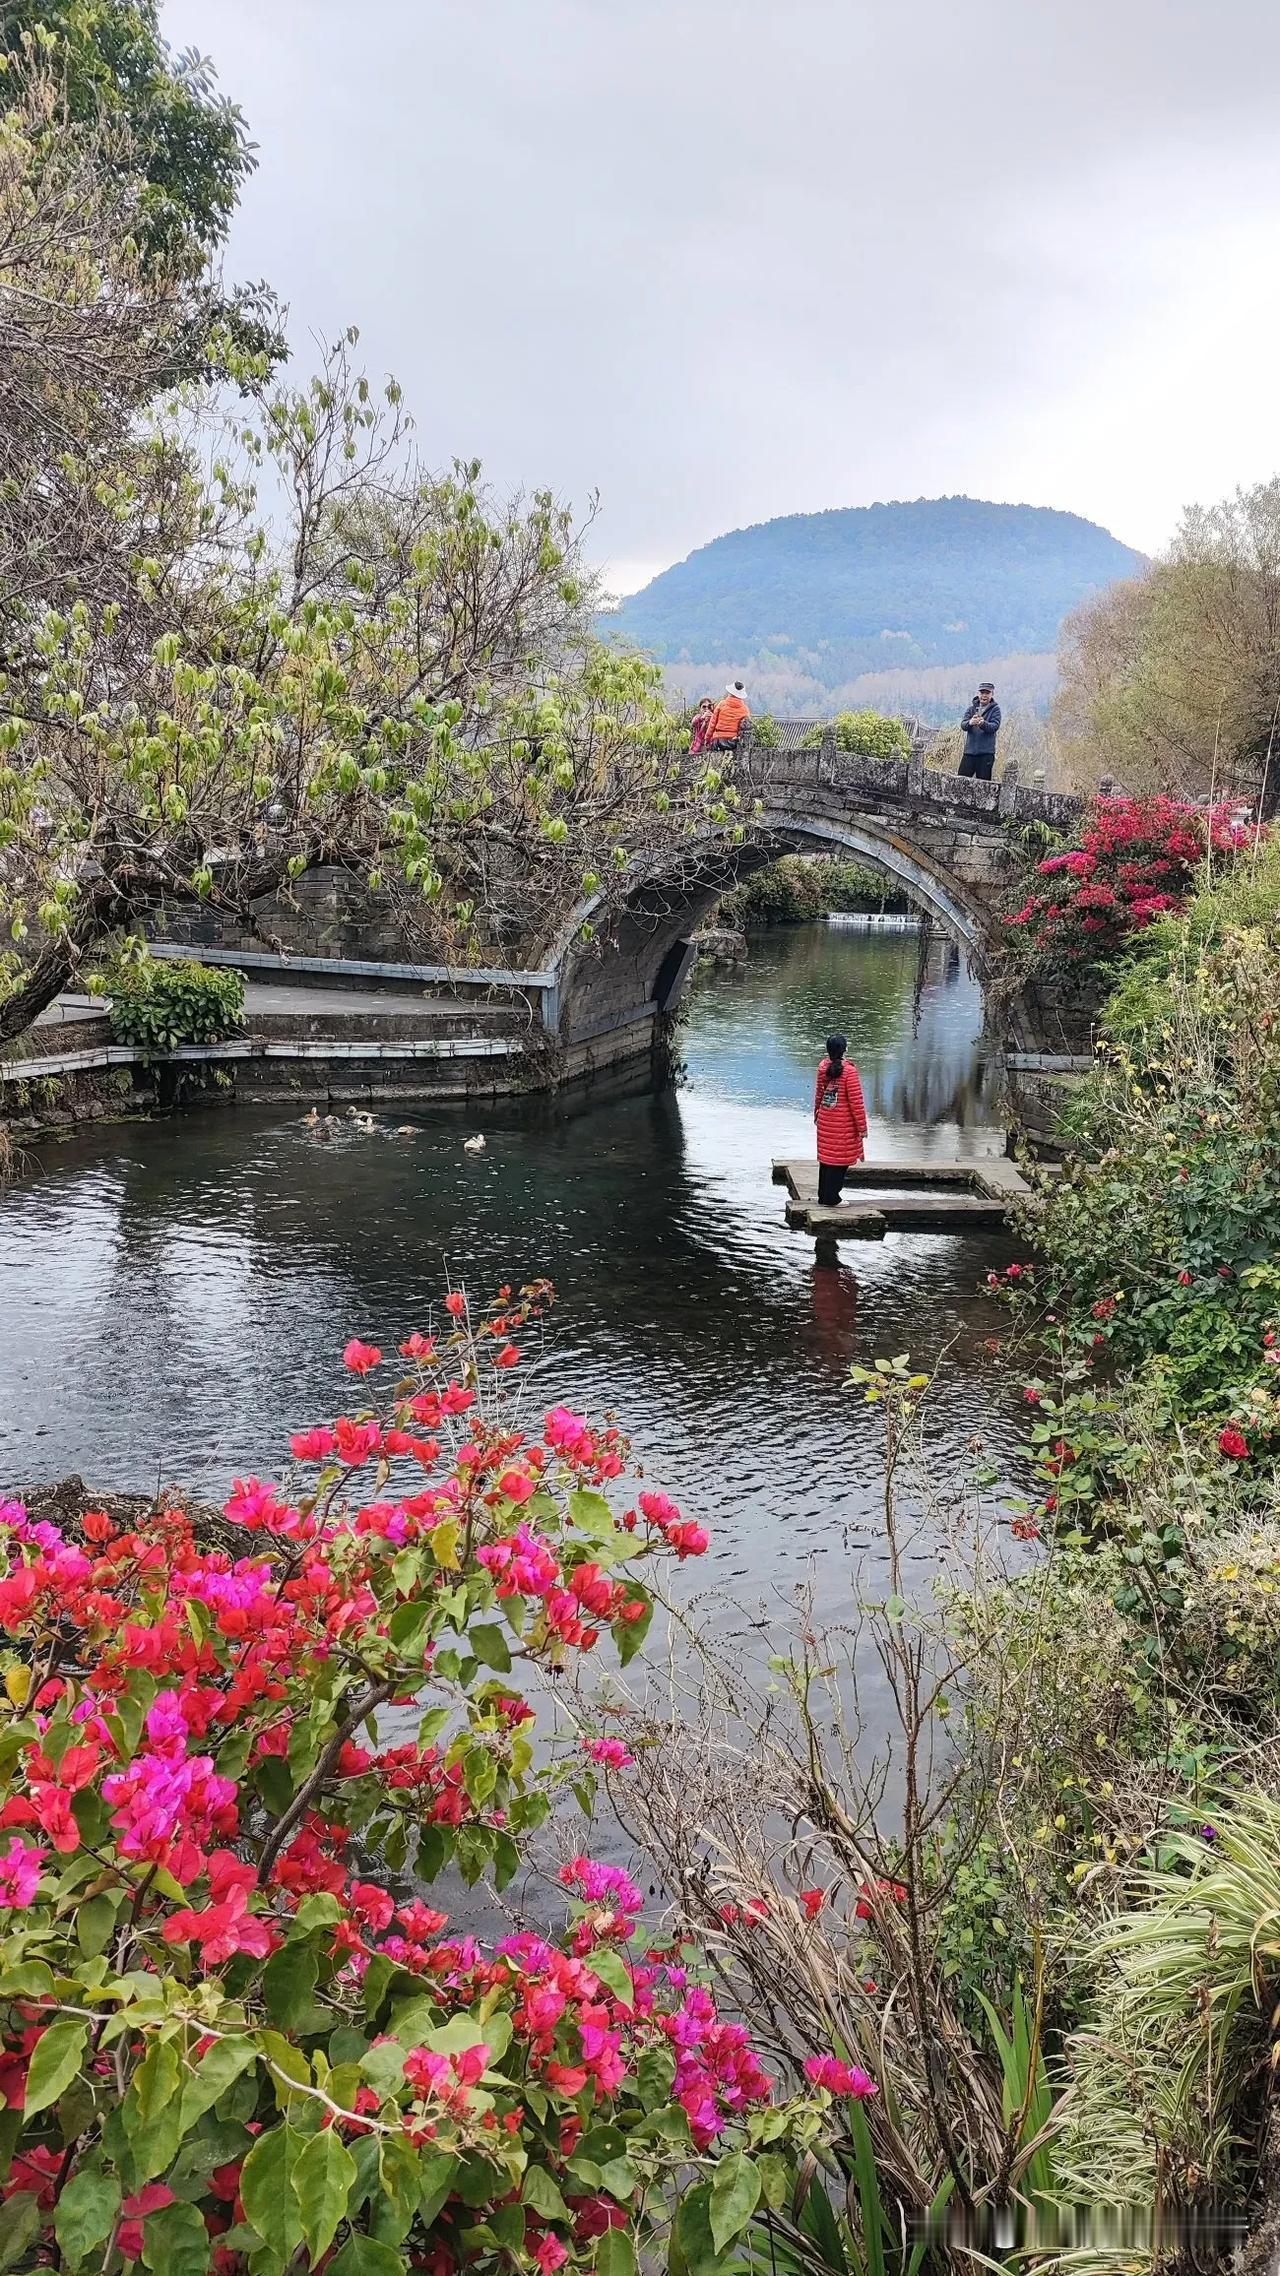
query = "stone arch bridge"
x=949 y=844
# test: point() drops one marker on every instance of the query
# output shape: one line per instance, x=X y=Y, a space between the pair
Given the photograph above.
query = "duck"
x=406 y=1130
x=365 y=1122
x=473 y=1145
x=312 y=1120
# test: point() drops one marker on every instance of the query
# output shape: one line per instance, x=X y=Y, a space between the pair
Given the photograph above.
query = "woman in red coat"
x=841 y=1118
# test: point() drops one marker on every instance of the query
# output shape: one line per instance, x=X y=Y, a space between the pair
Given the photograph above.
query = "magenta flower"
x=20 y=1868
x=840 y=2078
x=611 y=1752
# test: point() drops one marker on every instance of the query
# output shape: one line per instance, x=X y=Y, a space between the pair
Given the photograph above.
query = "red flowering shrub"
x=232 y=2033
x=1138 y=859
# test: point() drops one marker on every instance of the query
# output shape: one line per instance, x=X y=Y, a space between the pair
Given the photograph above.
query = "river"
x=176 y=1295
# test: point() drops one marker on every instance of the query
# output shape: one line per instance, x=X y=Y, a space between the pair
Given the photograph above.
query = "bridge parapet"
x=775 y=774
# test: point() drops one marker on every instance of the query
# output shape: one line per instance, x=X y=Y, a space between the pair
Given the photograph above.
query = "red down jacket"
x=839 y=1113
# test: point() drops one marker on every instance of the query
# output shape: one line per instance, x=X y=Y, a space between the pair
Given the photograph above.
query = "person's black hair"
x=837 y=1045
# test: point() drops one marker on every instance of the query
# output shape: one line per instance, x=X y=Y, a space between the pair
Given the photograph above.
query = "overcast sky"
x=723 y=259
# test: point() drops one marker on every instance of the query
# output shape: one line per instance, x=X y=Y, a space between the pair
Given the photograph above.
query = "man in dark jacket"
x=981 y=724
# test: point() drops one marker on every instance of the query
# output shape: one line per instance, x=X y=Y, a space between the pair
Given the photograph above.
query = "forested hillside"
x=878 y=601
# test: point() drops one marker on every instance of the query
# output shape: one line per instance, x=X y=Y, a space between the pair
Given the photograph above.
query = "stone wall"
x=326 y=912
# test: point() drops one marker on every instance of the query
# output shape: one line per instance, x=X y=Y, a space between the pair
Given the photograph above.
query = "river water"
x=176 y=1295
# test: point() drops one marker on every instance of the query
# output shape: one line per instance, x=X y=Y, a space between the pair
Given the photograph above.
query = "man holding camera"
x=981 y=724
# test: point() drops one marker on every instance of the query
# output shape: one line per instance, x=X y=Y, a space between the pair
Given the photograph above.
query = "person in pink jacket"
x=841 y=1119
x=701 y=726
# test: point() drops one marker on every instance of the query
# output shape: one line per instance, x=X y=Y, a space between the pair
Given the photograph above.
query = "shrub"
x=158 y=1002
x=1159 y=1240
x=873 y=734
x=1138 y=859
x=227 y=2017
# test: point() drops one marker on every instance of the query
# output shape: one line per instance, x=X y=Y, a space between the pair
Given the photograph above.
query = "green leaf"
x=289 y=1983
x=735 y=2193
x=85 y=2215
x=175 y=2241
x=490 y=1645
x=323 y=2179
x=269 y=2203
x=218 y=2069
x=95 y=1921
x=364 y=2256
x=152 y=2112
x=616 y=2254
x=22 y=2218
x=692 y=2245
x=435 y=2179
x=614 y=1973
x=542 y=2196
x=56 y=2061
x=629 y=1635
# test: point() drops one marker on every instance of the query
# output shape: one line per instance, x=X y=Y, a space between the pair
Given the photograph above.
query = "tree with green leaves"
x=1171 y=682
x=394 y=671
x=165 y=130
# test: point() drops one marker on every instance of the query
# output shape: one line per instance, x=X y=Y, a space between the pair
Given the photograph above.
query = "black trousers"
x=978 y=764
x=830 y=1179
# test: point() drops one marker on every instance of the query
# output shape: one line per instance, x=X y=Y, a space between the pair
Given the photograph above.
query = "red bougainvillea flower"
x=455 y=1303
x=361 y=1358
x=1233 y=1442
x=133 y=2213
x=840 y=2078
x=813 y=1901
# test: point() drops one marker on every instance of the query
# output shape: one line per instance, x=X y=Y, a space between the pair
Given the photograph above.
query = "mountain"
x=899 y=605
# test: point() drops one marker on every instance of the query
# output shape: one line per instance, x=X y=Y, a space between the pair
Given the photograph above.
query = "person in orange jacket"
x=841 y=1117
x=727 y=719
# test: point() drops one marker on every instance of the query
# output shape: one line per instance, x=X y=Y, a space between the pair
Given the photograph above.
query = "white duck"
x=473 y=1145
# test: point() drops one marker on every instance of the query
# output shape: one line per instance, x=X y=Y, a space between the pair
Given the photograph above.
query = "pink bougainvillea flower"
x=20 y=1868
x=813 y=1901
x=361 y=1358
x=840 y=2078
x=612 y=1753
x=455 y=1303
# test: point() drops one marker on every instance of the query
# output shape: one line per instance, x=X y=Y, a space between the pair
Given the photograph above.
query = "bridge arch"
x=613 y=989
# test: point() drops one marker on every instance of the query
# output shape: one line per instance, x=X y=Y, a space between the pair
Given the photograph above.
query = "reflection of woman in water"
x=841 y=1118
x=834 y=1333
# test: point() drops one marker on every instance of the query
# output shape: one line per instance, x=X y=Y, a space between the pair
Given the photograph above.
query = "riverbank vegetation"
x=1043 y=1905
x=798 y=889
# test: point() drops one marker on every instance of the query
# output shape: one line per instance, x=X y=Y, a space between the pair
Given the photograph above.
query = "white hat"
x=735 y=687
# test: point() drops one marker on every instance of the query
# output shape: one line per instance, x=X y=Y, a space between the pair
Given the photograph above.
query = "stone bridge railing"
x=776 y=773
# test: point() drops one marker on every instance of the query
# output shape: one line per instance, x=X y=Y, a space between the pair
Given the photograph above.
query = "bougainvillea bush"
x=234 y=2032
x=1137 y=860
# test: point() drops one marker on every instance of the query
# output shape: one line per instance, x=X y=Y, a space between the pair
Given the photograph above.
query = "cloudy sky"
x=723 y=259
